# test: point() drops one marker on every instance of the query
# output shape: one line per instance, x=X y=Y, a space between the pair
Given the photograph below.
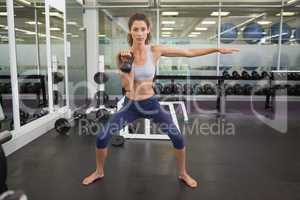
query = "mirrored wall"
x=6 y=108
x=30 y=29
x=57 y=57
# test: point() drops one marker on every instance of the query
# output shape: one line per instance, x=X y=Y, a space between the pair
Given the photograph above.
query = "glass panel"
x=32 y=73
x=250 y=30
x=290 y=49
x=113 y=27
x=57 y=56
x=6 y=110
x=188 y=28
x=77 y=67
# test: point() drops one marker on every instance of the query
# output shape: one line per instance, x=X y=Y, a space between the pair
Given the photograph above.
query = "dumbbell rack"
x=278 y=76
x=41 y=79
x=220 y=100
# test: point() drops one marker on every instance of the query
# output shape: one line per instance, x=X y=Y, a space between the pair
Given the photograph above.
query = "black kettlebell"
x=127 y=65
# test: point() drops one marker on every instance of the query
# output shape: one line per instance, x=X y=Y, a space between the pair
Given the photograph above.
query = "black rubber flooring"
x=256 y=162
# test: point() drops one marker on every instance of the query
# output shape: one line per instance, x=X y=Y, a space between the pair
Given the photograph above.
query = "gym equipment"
x=178 y=88
x=208 y=89
x=238 y=89
x=235 y=75
x=245 y=75
x=255 y=75
x=127 y=65
x=275 y=31
x=62 y=125
x=158 y=88
x=253 y=33
x=229 y=33
x=13 y=195
x=187 y=89
x=229 y=90
x=297 y=34
x=100 y=78
x=5 y=136
x=198 y=89
x=56 y=97
x=117 y=140
x=167 y=89
x=226 y=75
x=247 y=89
x=57 y=77
x=265 y=75
x=40 y=113
x=101 y=98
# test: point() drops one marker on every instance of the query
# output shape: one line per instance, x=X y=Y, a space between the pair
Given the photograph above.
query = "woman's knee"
x=177 y=140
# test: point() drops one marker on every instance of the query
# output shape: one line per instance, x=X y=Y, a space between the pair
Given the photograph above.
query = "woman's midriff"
x=141 y=90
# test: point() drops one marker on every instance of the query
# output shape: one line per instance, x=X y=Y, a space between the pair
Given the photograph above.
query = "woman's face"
x=139 y=31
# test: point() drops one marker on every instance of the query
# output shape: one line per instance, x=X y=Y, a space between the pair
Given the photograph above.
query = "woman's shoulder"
x=155 y=48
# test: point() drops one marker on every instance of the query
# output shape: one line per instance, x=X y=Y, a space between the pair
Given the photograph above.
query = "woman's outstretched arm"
x=176 y=52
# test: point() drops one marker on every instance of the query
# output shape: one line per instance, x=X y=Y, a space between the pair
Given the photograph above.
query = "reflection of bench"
x=28 y=84
x=147 y=135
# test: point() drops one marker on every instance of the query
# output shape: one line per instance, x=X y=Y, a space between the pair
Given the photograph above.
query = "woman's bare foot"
x=92 y=178
x=188 y=180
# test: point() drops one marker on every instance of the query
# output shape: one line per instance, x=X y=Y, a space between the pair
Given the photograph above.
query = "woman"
x=140 y=100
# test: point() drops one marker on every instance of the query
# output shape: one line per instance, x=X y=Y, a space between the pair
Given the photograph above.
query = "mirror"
x=57 y=57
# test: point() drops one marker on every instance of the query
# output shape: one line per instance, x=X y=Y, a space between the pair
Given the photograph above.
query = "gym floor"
x=256 y=162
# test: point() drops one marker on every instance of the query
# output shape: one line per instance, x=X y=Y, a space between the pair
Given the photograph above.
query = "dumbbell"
x=187 y=89
x=245 y=75
x=117 y=140
x=63 y=125
x=247 y=89
x=226 y=75
x=178 y=88
x=238 y=90
x=168 y=89
x=158 y=88
x=229 y=89
x=292 y=90
x=57 y=77
x=236 y=75
x=265 y=75
x=197 y=89
x=208 y=89
x=40 y=113
x=126 y=66
x=100 y=78
x=255 y=75
x=297 y=90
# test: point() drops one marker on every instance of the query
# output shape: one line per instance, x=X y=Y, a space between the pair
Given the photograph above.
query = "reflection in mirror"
x=31 y=59
x=57 y=56
x=6 y=109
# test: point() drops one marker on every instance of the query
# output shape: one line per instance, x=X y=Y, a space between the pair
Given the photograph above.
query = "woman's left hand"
x=228 y=50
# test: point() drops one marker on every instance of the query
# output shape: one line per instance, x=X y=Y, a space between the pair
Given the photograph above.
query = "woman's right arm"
x=127 y=79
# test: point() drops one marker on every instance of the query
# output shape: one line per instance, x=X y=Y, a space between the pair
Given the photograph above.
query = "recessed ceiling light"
x=55 y=29
x=167 y=29
x=168 y=22
x=201 y=29
x=291 y=1
x=286 y=14
x=72 y=23
x=192 y=35
x=208 y=22
x=101 y=35
x=221 y=13
x=195 y=33
x=32 y=22
x=3 y=13
x=25 y=2
x=170 y=13
x=264 y=22
x=166 y=33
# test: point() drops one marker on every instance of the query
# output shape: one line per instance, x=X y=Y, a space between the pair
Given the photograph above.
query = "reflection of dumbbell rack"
x=280 y=86
x=58 y=77
x=38 y=88
x=220 y=92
